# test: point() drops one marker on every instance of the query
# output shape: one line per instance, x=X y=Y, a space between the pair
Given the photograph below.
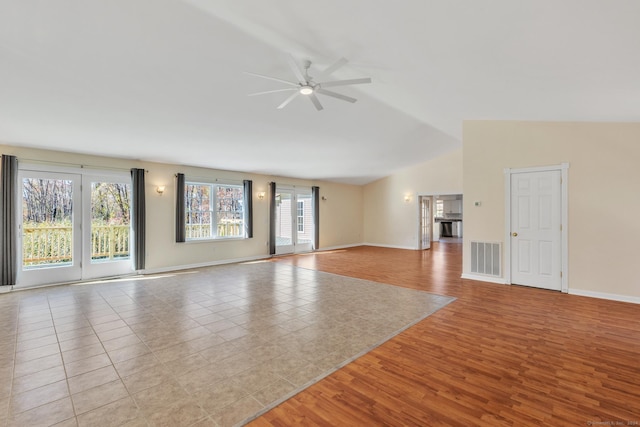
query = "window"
x=214 y=211
x=439 y=208
x=300 y=215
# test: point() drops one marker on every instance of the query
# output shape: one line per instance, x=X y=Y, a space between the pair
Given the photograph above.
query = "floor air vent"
x=485 y=258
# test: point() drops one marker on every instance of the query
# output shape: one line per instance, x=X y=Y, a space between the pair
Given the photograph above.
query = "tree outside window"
x=214 y=211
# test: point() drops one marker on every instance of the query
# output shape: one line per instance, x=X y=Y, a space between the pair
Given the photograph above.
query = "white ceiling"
x=163 y=80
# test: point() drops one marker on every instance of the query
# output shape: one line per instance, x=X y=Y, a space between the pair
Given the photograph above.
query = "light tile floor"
x=209 y=347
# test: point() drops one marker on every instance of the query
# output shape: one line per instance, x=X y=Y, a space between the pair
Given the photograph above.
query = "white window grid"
x=223 y=218
x=300 y=216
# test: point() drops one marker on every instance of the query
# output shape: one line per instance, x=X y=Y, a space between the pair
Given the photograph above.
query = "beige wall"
x=603 y=199
x=603 y=195
x=388 y=219
x=340 y=215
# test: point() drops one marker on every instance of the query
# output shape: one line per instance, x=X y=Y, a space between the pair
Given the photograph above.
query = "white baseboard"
x=481 y=278
x=603 y=295
x=380 y=245
x=203 y=264
x=234 y=261
x=579 y=292
x=4 y=289
x=334 y=248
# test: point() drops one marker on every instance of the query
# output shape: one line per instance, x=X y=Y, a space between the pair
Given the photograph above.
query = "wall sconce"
x=160 y=189
x=261 y=195
x=407 y=198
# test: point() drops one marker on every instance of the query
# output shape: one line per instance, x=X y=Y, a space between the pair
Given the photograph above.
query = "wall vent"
x=486 y=257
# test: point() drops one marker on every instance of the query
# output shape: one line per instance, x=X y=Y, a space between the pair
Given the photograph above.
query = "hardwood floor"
x=498 y=355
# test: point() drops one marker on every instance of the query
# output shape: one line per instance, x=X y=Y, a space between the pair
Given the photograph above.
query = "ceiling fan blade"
x=296 y=70
x=336 y=95
x=288 y=100
x=273 y=78
x=273 y=91
x=346 y=82
x=338 y=64
x=316 y=101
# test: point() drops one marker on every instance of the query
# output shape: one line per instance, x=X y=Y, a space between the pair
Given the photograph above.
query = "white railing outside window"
x=47 y=245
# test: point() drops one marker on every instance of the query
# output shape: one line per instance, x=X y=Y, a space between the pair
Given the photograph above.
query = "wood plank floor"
x=498 y=355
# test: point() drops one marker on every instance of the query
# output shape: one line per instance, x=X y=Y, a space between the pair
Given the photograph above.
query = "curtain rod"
x=209 y=179
x=77 y=165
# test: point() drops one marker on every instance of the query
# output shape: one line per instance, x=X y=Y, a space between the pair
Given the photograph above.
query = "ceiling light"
x=306 y=90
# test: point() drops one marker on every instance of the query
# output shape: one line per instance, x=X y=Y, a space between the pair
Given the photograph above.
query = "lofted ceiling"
x=163 y=80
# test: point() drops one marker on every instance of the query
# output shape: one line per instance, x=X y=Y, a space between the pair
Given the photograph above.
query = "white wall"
x=388 y=219
x=340 y=215
x=604 y=199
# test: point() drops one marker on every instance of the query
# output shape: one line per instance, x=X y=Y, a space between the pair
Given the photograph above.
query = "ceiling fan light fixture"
x=306 y=90
x=310 y=87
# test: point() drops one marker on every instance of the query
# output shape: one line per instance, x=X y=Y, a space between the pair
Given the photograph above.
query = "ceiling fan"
x=310 y=86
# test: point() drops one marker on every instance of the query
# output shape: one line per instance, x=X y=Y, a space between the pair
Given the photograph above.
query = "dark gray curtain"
x=272 y=218
x=315 y=203
x=138 y=217
x=248 y=207
x=181 y=232
x=8 y=220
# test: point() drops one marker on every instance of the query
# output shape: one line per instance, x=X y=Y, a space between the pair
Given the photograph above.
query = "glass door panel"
x=284 y=222
x=304 y=222
x=50 y=239
x=107 y=215
x=425 y=222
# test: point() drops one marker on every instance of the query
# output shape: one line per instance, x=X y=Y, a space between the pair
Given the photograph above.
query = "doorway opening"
x=448 y=218
x=439 y=219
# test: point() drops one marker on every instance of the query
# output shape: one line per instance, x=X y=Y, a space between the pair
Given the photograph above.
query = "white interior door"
x=50 y=237
x=536 y=229
x=425 y=222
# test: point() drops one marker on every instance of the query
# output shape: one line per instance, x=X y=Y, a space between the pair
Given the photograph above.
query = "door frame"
x=418 y=212
x=564 y=234
x=295 y=247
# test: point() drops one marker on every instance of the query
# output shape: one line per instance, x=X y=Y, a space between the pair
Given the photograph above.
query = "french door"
x=106 y=218
x=294 y=220
x=72 y=227
x=425 y=222
x=50 y=228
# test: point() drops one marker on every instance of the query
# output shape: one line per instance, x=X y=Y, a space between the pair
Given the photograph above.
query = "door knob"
x=514 y=234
